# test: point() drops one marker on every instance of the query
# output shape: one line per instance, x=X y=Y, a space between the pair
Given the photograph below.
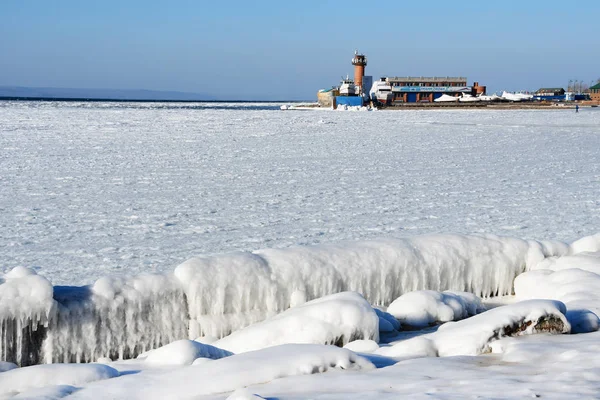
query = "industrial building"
x=550 y=94
x=427 y=89
x=595 y=92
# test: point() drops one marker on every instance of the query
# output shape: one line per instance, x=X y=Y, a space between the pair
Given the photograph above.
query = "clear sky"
x=284 y=49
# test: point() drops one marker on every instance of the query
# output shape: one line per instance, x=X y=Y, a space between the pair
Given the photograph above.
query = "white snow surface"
x=427 y=307
x=231 y=373
x=38 y=376
x=335 y=319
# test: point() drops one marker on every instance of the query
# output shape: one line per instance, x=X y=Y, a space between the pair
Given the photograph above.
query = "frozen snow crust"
x=216 y=295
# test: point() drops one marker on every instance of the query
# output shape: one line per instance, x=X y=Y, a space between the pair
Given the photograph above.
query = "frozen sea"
x=90 y=189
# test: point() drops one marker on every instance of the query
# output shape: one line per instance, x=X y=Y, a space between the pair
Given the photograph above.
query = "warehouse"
x=427 y=89
x=550 y=94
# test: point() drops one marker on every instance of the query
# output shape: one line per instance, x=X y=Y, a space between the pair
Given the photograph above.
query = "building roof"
x=550 y=90
x=596 y=86
x=427 y=79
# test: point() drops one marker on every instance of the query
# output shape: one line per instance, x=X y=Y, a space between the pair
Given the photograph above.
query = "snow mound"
x=23 y=293
x=232 y=373
x=473 y=336
x=586 y=244
x=427 y=307
x=183 y=352
x=417 y=347
x=577 y=288
x=38 y=376
x=381 y=270
x=336 y=319
x=588 y=261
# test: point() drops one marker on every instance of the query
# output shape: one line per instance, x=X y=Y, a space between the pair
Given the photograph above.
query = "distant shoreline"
x=75 y=99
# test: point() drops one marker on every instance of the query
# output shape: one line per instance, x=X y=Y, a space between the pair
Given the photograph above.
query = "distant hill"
x=106 y=94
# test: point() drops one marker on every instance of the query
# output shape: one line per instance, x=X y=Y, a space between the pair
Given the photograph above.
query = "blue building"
x=550 y=94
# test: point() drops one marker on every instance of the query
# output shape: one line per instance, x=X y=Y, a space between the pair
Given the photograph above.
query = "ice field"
x=176 y=182
x=214 y=250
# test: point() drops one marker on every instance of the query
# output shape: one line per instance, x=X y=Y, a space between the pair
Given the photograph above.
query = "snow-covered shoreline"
x=153 y=214
x=217 y=295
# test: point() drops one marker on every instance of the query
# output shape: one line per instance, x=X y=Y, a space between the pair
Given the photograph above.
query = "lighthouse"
x=360 y=62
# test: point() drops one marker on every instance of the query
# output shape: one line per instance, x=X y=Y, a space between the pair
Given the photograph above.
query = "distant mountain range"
x=104 y=94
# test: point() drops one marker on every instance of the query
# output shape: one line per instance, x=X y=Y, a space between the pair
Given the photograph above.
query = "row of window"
x=430 y=84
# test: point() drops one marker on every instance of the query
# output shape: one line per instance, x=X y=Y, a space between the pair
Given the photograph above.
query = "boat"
x=347 y=88
x=445 y=98
x=516 y=97
x=493 y=97
x=381 y=92
x=467 y=98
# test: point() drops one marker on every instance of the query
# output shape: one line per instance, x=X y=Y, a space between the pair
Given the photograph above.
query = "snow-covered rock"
x=335 y=319
x=382 y=270
x=578 y=289
x=183 y=352
x=136 y=314
x=473 y=336
x=26 y=307
x=427 y=307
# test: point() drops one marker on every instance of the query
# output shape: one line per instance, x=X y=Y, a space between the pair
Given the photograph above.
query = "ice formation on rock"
x=26 y=307
x=577 y=288
x=215 y=295
x=335 y=319
x=116 y=318
x=381 y=270
x=473 y=336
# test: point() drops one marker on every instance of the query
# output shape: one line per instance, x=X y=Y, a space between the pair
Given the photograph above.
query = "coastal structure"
x=428 y=89
x=394 y=90
x=550 y=94
x=595 y=92
x=400 y=90
x=360 y=62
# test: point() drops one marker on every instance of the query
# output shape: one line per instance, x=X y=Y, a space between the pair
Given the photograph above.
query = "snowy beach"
x=207 y=250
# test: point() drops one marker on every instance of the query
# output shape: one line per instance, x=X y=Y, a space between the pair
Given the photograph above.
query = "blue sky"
x=288 y=50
